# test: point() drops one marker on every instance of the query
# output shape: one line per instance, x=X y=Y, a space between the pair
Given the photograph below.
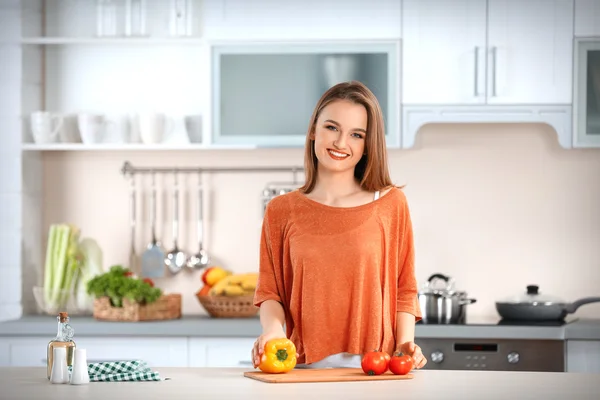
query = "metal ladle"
x=201 y=259
x=175 y=259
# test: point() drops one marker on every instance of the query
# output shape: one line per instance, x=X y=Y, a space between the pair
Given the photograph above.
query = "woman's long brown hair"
x=372 y=170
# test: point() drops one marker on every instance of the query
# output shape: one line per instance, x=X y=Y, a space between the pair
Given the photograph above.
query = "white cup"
x=193 y=127
x=118 y=129
x=69 y=133
x=45 y=126
x=92 y=127
x=154 y=127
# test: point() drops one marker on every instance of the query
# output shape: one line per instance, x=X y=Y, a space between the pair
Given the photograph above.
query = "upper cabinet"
x=530 y=51
x=305 y=20
x=487 y=52
x=263 y=94
x=444 y=52
x=487 y=61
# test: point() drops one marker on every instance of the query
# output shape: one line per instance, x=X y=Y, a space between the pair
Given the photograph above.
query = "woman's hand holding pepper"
x=259 y=344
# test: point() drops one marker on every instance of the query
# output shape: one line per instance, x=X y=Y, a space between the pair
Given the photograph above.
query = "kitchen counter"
x=202 y=326
x=215 y=383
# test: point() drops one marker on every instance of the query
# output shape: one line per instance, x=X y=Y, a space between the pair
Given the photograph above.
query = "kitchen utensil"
x=534 y=306
x=175 y=259
x=274 y=189
x=201 y=259
x=132 y=256
x=153 y=257
x=443 y=305
x=323 y=375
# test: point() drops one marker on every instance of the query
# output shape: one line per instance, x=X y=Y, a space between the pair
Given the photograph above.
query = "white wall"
x=497 y=207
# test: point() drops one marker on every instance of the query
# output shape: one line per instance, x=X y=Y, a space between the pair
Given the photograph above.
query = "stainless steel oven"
x=494 y=355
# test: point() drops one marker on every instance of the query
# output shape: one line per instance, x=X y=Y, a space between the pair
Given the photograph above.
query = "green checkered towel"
x=122 y=371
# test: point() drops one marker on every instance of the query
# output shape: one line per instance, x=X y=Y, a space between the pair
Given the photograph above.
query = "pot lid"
x=533 y=296
x=438 y=284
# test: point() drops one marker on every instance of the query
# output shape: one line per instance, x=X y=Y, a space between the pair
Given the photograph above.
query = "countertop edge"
x=206 y=327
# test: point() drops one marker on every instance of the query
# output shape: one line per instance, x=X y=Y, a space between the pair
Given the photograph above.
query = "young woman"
x=336 y=256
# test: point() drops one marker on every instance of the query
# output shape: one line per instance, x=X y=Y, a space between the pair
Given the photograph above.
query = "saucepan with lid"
x=535 y=306
x=441 y=303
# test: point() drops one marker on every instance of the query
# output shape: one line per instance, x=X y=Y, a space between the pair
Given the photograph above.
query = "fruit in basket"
x=235 y=285
x=204 y=291
x=213 y=275
x=279 y=356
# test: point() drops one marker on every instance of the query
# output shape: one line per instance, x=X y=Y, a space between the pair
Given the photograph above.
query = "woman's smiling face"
x=340 y=134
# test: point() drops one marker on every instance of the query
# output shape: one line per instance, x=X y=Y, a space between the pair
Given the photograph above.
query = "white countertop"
x=225 y=384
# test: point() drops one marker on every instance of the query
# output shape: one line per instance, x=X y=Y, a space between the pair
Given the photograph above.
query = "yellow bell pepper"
x=279 y=356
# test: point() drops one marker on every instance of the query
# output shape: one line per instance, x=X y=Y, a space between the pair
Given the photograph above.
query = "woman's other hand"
x=411 y=349
x=259 y=344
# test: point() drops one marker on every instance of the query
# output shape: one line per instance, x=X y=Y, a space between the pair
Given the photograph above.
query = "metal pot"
x=533 y=306
x=443 y=305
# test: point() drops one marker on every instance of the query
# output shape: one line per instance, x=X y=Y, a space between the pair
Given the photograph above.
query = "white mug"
x=45 y=126
x=193 y=127
x=92 y=127
x=69 y=133
x=154 y=127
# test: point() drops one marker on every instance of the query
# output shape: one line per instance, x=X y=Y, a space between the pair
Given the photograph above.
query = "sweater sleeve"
x=270 y=269
x=407 y=299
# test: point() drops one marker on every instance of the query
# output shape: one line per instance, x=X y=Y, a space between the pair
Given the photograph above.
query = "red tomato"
x=128 y=273
x=401 y=364
x=149 y=281
x=375 y=362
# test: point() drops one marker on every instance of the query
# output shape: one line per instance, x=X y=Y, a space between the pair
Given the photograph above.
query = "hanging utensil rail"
x=129 y=169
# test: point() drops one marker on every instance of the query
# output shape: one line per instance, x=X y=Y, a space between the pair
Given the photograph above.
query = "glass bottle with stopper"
x=64 y=339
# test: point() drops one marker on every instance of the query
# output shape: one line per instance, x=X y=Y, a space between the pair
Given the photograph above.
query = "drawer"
x=157 y=352
x=227 y=352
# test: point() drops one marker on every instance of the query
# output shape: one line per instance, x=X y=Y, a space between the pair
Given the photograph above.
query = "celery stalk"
x=49 y=264
x=61 y=253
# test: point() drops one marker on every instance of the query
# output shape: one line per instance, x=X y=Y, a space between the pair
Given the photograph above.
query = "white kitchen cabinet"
x=285 y=79
x=307 y=19
x=583 y=356
x=530 y=45
x=221 y=352
x=587 y=17
x=157 y=352
x=508 y=52
x=444 y=51
x=586 y=102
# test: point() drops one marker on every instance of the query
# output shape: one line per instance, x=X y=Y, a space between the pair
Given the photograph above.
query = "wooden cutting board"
x=323 y=375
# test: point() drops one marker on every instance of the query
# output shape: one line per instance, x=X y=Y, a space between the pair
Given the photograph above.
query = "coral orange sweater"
x=341 y=274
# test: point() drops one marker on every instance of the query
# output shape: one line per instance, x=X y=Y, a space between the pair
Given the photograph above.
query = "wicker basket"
x=229 y=306
x=166 y=307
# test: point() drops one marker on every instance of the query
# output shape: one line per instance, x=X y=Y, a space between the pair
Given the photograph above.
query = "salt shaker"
x=60 y=373
x=80 y=374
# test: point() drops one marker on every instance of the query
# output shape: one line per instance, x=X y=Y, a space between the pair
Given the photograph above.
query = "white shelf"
x=130 y=147
x=113 y=40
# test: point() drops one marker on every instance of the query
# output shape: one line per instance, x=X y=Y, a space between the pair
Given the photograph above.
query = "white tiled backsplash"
x=497 y=207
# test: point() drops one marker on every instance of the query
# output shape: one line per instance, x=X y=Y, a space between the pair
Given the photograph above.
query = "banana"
x=233 y=290
x=235 y=285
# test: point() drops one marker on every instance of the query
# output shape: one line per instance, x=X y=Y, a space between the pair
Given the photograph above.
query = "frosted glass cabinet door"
x=586 y=107
x=264 y=94
x=443 y=52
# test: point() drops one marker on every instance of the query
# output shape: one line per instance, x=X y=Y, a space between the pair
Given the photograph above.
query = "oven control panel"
x=494 y=355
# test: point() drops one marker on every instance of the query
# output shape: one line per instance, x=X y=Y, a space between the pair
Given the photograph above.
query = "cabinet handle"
x=494 y=71
x=476 y=71
x=245 y=363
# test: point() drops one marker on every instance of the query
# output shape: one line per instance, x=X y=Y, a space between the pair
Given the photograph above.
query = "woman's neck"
x=332 y=186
